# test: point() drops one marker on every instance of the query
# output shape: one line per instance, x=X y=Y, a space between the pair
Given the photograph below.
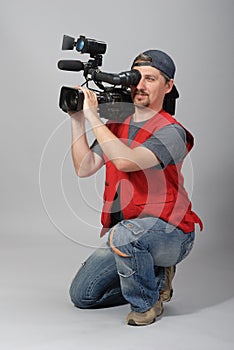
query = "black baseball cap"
x=163 y=62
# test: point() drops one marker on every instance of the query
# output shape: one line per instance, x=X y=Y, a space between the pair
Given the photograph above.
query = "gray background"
x=50 y=220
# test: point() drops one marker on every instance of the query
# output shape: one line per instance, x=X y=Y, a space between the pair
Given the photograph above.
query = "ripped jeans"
x=130 y=268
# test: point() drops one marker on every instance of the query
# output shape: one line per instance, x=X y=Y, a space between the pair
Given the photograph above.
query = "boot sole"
x=134 y=323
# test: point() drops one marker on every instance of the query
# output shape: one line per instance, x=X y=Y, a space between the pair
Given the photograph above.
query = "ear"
x=168 y=86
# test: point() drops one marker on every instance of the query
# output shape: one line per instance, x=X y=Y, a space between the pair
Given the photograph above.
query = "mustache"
x=140 y=92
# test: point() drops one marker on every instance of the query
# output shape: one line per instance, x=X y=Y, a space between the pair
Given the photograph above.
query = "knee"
x=78 y=297
x=121 y=240
x=75 y=295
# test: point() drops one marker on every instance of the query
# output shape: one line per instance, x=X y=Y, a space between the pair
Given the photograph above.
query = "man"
x=146 y=211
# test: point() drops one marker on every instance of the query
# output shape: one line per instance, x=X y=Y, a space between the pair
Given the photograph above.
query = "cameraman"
x=146 y=212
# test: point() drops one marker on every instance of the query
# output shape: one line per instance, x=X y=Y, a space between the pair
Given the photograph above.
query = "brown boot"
x=167 y=292
x=145 y=318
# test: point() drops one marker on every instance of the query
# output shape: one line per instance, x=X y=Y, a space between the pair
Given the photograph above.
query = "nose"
x=141 y=84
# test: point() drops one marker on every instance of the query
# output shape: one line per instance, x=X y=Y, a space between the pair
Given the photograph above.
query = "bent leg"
x=135 y=266
x=96 y=284
x=142 y=249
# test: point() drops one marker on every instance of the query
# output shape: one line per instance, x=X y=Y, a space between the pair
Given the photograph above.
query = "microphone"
x=128 y=78
x=71 y=65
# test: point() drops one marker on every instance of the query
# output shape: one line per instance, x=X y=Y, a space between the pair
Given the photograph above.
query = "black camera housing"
x=84 y=45
x=114 y=103
x=117 y=99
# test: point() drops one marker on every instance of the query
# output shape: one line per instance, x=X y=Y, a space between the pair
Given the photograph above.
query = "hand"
x=90 y=98
x=90 y=104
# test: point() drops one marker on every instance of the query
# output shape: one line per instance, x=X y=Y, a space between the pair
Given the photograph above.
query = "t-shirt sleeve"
x=95 y=147
x=168 y=144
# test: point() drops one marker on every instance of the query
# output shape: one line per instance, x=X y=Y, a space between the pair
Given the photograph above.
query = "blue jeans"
x=130 y=268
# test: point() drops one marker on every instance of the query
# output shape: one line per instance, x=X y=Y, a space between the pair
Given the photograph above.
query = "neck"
x=143 y=113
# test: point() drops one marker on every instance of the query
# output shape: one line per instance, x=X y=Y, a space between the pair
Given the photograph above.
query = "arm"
x=123 y=157
x=85 y=161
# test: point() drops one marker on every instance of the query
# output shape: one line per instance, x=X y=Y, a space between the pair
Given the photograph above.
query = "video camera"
x=116 y=101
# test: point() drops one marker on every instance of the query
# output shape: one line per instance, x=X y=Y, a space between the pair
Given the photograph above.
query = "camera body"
x=116 y=101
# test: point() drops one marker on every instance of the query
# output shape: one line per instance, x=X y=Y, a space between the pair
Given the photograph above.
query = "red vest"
x=149 y=192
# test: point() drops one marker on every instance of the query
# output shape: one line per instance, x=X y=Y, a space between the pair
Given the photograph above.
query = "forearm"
x=124 y=158
x=113 y=148
x=83 y=158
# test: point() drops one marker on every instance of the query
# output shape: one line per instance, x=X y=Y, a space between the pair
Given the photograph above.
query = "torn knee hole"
x=115 y=249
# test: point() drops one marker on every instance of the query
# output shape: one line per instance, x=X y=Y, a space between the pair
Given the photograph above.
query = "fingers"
x=90 y=98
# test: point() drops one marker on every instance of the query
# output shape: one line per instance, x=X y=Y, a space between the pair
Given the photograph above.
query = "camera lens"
x=71 y=100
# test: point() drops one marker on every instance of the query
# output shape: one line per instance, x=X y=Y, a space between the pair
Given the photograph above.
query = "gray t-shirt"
x=168 y=144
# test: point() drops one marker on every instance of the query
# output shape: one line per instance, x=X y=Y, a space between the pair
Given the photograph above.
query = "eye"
x=150 y=78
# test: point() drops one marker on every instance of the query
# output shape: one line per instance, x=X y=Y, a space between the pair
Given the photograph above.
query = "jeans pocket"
x=186 y=246
x=133 y=226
